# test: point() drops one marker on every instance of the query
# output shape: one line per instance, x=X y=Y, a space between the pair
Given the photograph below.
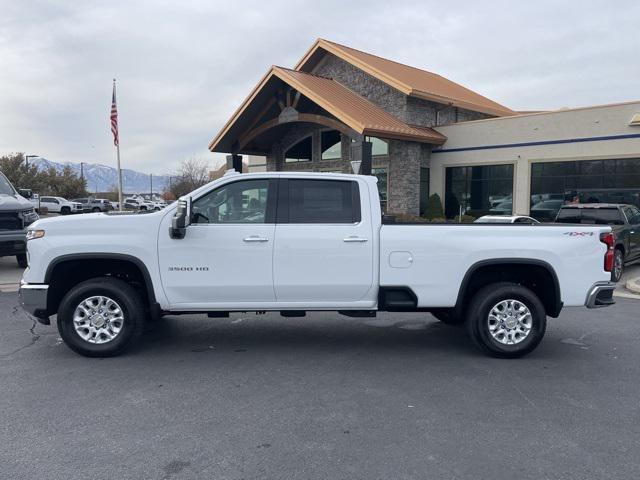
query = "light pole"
x=26 y=159
x=151 y=185
x=81 y=170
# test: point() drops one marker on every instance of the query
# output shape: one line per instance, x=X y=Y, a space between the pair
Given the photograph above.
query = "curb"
x=633 y=285
x=9 y=287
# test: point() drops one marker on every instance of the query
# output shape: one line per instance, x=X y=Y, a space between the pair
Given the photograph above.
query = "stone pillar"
x=345 y=152
x=403 y=179
x=275 y=159
x=361 y=151
x=316 y=146
x=235 y=162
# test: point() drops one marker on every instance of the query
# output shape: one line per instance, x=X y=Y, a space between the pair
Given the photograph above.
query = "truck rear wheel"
x=506 y=320
x=101 y=317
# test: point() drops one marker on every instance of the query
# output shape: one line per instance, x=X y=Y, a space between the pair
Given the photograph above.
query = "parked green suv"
x=624 y=220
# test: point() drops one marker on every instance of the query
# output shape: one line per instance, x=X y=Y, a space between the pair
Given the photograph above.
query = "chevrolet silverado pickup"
x=299 y=242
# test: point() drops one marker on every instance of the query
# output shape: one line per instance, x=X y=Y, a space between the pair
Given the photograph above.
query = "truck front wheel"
x=506 y=320
x=101 y=317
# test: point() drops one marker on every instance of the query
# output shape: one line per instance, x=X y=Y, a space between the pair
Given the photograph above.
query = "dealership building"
x=340 y=110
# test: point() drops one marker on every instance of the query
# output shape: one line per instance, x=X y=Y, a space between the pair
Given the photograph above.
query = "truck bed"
x=432 y=259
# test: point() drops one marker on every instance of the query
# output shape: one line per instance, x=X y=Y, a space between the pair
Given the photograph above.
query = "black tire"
x=22 y=260
x=65 y=211
x=124 y=295
x=96 y=209
x=616 y=273
x=447 y=316
x=478 y=324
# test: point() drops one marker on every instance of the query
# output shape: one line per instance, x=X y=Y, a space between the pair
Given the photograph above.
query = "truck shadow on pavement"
x=318 y=333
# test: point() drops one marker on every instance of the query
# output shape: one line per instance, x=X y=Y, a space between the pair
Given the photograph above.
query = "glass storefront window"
x=331 y=145
x=479 y=190
x=300 y=152
x=424 y=188
x=332 y=150
x=378 y=146
x=555 y=184
x=381 y=175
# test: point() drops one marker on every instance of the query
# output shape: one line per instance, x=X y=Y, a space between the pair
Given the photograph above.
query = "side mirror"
x=25 y=192
x=181 y=219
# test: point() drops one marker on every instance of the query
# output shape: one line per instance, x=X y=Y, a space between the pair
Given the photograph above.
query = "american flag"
x=114 y=116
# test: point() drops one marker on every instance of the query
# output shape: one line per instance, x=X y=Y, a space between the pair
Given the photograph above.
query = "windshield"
x=5 y=186
x=598 y=216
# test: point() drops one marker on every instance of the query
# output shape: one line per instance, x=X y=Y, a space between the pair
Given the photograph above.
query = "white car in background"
x=135 y=204
x=507 y=219
x=58 y=205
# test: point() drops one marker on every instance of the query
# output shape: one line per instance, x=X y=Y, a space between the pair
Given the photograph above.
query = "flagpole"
x=119 y=178
x=118 y=154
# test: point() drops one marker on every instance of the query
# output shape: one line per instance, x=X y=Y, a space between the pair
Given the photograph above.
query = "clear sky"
x=183 y=67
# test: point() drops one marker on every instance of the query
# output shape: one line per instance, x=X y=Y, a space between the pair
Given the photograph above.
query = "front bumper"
x=33 y=299
x=600 y=295
x=13 y=243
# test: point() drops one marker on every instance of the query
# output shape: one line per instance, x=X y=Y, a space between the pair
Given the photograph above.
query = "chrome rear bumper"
x=600 y=295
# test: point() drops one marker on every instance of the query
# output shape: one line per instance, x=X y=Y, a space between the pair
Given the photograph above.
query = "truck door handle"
x=255 y=238
x=354 y=239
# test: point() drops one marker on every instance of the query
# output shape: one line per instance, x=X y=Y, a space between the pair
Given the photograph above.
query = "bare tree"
x=192 y=173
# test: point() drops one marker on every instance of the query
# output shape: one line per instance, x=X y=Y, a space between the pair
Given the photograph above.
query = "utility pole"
x=151 y=184
x=26 y=159
x=81 y=170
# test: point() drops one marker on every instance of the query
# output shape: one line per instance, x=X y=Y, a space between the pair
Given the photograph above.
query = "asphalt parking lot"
x=323 y=397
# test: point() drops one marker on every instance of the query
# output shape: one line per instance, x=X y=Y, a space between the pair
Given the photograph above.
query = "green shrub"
x=465 y=219
x=434 y=207
x=406 y=217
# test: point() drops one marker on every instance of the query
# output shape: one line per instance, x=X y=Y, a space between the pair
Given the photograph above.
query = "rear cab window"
x=590 y=216
x=319 y=201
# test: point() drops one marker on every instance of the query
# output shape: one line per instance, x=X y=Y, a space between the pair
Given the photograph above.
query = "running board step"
x=358 y=313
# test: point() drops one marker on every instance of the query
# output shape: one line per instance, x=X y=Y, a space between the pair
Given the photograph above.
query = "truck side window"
x=323 y=201
x=237 y=202
x=635 y=216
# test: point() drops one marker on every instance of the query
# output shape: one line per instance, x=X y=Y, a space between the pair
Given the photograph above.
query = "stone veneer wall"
x=403 y=177
x=405 y=158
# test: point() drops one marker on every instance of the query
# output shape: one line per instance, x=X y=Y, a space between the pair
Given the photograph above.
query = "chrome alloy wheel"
x=98 y=319
x=617 y=264
x=510 y=322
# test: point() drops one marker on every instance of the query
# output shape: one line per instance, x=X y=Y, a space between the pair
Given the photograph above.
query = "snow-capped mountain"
x=102 y=178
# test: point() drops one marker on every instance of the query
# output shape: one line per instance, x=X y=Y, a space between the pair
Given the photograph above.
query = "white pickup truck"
x=294 y=242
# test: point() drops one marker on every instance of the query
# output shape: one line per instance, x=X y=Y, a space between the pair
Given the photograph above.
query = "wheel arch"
x=104 y=264
x=511 y=269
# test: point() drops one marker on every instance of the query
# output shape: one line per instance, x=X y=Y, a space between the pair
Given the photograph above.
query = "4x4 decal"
x=579 y=234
